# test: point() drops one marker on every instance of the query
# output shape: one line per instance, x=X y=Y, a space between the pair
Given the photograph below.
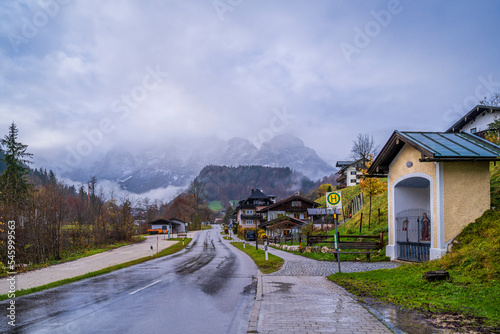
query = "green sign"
x=334 y=200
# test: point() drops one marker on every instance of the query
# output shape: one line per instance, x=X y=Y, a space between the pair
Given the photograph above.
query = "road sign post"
x=334 y=200
x=335 y=219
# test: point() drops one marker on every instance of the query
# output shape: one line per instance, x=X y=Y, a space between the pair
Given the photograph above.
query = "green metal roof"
x=435 y=146
x=453 y=145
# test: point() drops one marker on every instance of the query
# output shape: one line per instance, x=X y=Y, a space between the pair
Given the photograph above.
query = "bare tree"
x=493 y=100
x=197 y=190
x=363 y=147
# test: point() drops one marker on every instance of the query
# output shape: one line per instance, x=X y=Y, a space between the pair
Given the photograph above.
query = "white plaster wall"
x=412 y=198
x=350 y=177
x=481 y=122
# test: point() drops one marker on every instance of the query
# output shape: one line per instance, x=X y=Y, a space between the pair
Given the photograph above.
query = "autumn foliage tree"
x=493 y=133
x=324 y=188
x=371 y=186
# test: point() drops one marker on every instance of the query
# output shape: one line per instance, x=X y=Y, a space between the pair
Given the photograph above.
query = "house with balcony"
x=350 y=172
x=287 y=216
x=246 y=212
x=295 y=206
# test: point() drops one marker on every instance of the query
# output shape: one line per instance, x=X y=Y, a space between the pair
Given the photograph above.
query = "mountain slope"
x=169 y=164
x=290 y=151
x=235 y=183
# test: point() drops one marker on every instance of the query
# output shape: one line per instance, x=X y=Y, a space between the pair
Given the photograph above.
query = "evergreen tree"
x=14 y=187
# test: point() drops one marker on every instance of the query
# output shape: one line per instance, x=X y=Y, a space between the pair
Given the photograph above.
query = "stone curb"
x=254 y=316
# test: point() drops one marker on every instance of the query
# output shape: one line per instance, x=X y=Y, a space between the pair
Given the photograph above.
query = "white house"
x=476 y=121
x=350 y=172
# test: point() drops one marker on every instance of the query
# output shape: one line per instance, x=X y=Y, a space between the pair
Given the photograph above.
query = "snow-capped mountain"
x=174 y=165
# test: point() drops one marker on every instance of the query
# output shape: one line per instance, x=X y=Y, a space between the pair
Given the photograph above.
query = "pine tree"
x=14 y=186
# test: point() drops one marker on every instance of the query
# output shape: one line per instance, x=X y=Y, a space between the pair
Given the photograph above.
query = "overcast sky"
x=88 y=75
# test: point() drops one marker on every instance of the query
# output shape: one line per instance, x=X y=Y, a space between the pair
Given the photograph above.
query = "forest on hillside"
x=227 y=183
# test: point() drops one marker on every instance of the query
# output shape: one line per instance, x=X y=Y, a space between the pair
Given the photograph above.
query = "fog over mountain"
x=164 y=165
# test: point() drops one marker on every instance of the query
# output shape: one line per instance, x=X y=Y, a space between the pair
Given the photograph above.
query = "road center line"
x=147 y=286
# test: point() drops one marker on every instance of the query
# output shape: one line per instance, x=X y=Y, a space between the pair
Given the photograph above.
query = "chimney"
x=253 y=190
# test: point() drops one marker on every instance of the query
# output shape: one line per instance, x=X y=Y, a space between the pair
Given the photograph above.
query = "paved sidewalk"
x=312 y=304
x=300 y=299
x=88 y=264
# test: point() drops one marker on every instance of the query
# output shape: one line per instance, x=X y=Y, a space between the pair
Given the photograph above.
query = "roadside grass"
x=473 y=291
x=259 y=257
x=167 y=251
x=75 y=255
x=228 y=238
x=405 y=286
x=206 y=227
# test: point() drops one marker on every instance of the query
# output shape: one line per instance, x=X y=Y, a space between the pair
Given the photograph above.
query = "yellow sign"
x=334 y=200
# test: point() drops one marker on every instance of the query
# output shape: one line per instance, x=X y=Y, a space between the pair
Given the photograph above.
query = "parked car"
x=250 y=236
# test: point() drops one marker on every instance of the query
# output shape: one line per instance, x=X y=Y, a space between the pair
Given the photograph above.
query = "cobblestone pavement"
x=305 y=304
x=320 y=268
x=300 y=299
x=296 y=265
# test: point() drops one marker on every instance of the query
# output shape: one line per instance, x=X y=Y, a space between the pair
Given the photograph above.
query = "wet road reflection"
x=207 y=288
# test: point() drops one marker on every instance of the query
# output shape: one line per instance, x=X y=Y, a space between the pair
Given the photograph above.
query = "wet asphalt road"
x=207 y=288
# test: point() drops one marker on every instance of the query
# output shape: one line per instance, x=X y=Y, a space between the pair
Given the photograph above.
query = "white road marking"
x=147 y=286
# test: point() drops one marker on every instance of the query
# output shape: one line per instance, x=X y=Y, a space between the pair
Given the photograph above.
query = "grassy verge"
x=167 y=251
x=67 y=257
x=206 y=227
x=259 y=256
x=478 y=302
x=228 y=238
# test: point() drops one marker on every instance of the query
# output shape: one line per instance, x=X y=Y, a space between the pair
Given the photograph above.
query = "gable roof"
x=287 y=221
x=343 y=163
x=471 y=115
x=258 y=194
x=163 y=221
x=289 y=199
x=177 y=220
x=435 y=146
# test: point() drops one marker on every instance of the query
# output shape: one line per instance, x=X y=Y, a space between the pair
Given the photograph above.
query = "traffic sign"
x=334 y=200
x=230 y=225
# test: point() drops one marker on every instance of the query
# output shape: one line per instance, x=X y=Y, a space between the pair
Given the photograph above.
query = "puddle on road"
x=399 y=320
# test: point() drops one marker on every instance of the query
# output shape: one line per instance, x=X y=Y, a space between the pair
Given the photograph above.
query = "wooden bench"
x=359 y=247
